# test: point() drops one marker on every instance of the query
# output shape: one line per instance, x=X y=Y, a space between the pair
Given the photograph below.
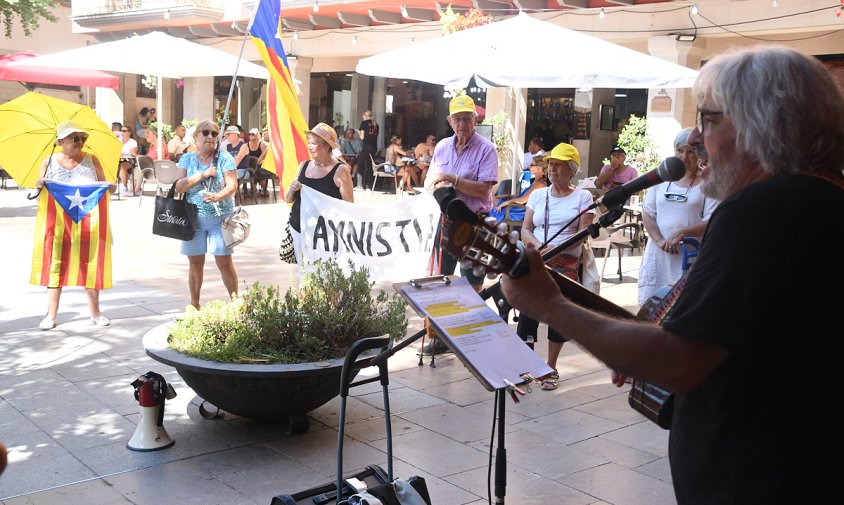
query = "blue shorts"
x=208 y=238
x=242 y=173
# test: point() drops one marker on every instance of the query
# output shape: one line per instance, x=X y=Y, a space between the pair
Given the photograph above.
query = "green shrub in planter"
x=317 y=321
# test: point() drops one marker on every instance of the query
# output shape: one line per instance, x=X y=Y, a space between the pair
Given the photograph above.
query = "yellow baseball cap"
x=564 y=152
x=461 y=103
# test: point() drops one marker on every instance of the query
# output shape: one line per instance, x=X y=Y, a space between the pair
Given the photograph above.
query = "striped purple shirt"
x=478 y=161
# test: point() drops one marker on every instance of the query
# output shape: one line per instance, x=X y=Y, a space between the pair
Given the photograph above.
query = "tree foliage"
x=29 y=12
x=638 y=144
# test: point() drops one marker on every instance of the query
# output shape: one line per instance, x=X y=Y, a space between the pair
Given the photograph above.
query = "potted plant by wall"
x=265 y=355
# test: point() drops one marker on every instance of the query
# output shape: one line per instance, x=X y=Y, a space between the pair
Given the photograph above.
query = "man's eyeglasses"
x=213 y=133
x=701 y=116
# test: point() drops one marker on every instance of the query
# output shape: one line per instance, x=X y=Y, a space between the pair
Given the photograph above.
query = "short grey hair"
x=682 y=138
x=203 y=125
x=787 y=111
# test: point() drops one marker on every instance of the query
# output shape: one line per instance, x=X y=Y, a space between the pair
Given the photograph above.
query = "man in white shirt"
x=177 y=143
x=534 y=150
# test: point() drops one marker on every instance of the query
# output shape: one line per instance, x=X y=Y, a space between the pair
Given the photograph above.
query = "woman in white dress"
x=670 y=212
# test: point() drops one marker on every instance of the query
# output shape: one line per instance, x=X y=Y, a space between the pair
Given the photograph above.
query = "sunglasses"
x=77 y=139
x=213 y=133
x=125 y=130
x=252 y=134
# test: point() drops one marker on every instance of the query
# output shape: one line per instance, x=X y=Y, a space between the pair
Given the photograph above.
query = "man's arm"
x=637 y=349
x=603 y=177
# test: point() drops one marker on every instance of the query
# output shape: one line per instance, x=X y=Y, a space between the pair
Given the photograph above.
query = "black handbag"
x=174 y=217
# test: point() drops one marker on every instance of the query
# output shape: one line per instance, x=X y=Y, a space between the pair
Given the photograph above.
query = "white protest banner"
x=393 y=240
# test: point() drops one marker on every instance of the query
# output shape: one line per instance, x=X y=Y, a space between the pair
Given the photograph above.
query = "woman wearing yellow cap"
x=553 y=215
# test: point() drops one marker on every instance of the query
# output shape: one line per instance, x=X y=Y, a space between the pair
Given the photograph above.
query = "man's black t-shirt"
x=751 y=432
x=370 y=134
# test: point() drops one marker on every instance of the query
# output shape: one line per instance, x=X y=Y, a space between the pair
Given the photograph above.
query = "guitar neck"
x=582 y=296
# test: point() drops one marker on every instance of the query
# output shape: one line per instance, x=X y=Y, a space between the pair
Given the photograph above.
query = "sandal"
x=550 y=383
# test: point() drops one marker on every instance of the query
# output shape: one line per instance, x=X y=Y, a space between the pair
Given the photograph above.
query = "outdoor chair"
x=143 y=169
x=251 y=179
x=627 y=236
x=379 y=171
x=165 y=175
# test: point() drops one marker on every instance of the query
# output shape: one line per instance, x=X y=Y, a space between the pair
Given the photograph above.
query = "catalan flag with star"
x=287 y=125
x=72 y=236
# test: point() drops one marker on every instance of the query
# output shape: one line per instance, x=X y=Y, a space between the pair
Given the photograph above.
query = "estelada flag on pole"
x=72 y=237
x=287 y=125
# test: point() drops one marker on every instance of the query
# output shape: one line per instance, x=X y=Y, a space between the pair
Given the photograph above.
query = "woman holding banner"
x=323 y=173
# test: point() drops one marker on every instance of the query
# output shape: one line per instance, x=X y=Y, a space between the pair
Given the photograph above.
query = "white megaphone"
x=151 y=390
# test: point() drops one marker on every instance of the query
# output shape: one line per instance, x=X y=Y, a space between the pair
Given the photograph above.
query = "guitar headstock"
x=480 y=244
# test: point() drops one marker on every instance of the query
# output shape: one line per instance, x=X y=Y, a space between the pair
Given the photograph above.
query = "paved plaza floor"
x=67 y=408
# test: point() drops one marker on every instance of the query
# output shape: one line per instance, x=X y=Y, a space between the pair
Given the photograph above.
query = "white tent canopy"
x=505 y=53
x=155 y=54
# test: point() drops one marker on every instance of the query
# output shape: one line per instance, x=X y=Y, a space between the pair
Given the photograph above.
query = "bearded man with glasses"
x=752 y=421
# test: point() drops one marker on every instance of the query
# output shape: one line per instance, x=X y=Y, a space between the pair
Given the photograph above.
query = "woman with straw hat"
x=323 y=173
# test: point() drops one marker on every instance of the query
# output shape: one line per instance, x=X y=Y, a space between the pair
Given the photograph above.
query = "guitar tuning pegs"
x=466 y=264
x=479 y=270
x=502 y=229
x=513 y=237
x=491 y=275
x=491 y=221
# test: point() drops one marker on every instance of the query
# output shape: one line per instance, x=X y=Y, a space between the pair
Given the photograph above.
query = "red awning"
x=49 y=75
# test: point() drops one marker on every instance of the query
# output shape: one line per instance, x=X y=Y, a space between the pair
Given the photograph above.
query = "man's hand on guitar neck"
x=535 y=293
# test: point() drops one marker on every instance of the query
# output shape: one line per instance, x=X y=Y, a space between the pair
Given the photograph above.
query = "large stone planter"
x=267 y=392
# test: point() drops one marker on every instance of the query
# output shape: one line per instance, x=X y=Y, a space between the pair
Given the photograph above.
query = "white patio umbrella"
x=156 y=54
x=504 y=54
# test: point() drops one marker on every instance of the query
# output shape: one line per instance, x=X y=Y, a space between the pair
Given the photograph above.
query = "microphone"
x=452 y=207
x=671 y=169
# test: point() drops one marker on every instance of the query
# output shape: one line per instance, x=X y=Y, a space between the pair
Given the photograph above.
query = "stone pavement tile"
x=441 y=491
x=39 y=389
x=448 y=370
x=92 y=492
x=659 y=469
x=463 y=424
x=539 y=455
x=522 y=487
x=176 y=482
x=37 y=462
x=619 y=454
x=260 y=472
x=615 y=408
x=372 y=430
x=318 y=451
x=569 y=426
x=82 y=424
x=356 y=410
x=13 y=422
x=463 y=392
x=437 y=454
x=621 y=486
x=402 y=400
x=644 y=435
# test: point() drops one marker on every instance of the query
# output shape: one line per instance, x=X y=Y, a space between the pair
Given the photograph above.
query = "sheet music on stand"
x=477 y=335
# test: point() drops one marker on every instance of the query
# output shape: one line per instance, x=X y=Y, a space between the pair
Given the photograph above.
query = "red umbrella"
x=48 y=75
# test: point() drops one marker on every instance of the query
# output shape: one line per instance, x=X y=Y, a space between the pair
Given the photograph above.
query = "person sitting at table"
x=239 y=151
x=407 y=172
x=128 y=153
x=617 y=172
x=351 y=148
x=424 y=152
x=539 y=179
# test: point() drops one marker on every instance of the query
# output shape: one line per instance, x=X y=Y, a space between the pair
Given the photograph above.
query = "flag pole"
x=236 y=68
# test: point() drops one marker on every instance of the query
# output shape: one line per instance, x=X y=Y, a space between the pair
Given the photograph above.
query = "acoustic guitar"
x=479 y=243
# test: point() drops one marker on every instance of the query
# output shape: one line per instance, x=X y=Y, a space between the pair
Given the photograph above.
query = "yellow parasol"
x=28 y=135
